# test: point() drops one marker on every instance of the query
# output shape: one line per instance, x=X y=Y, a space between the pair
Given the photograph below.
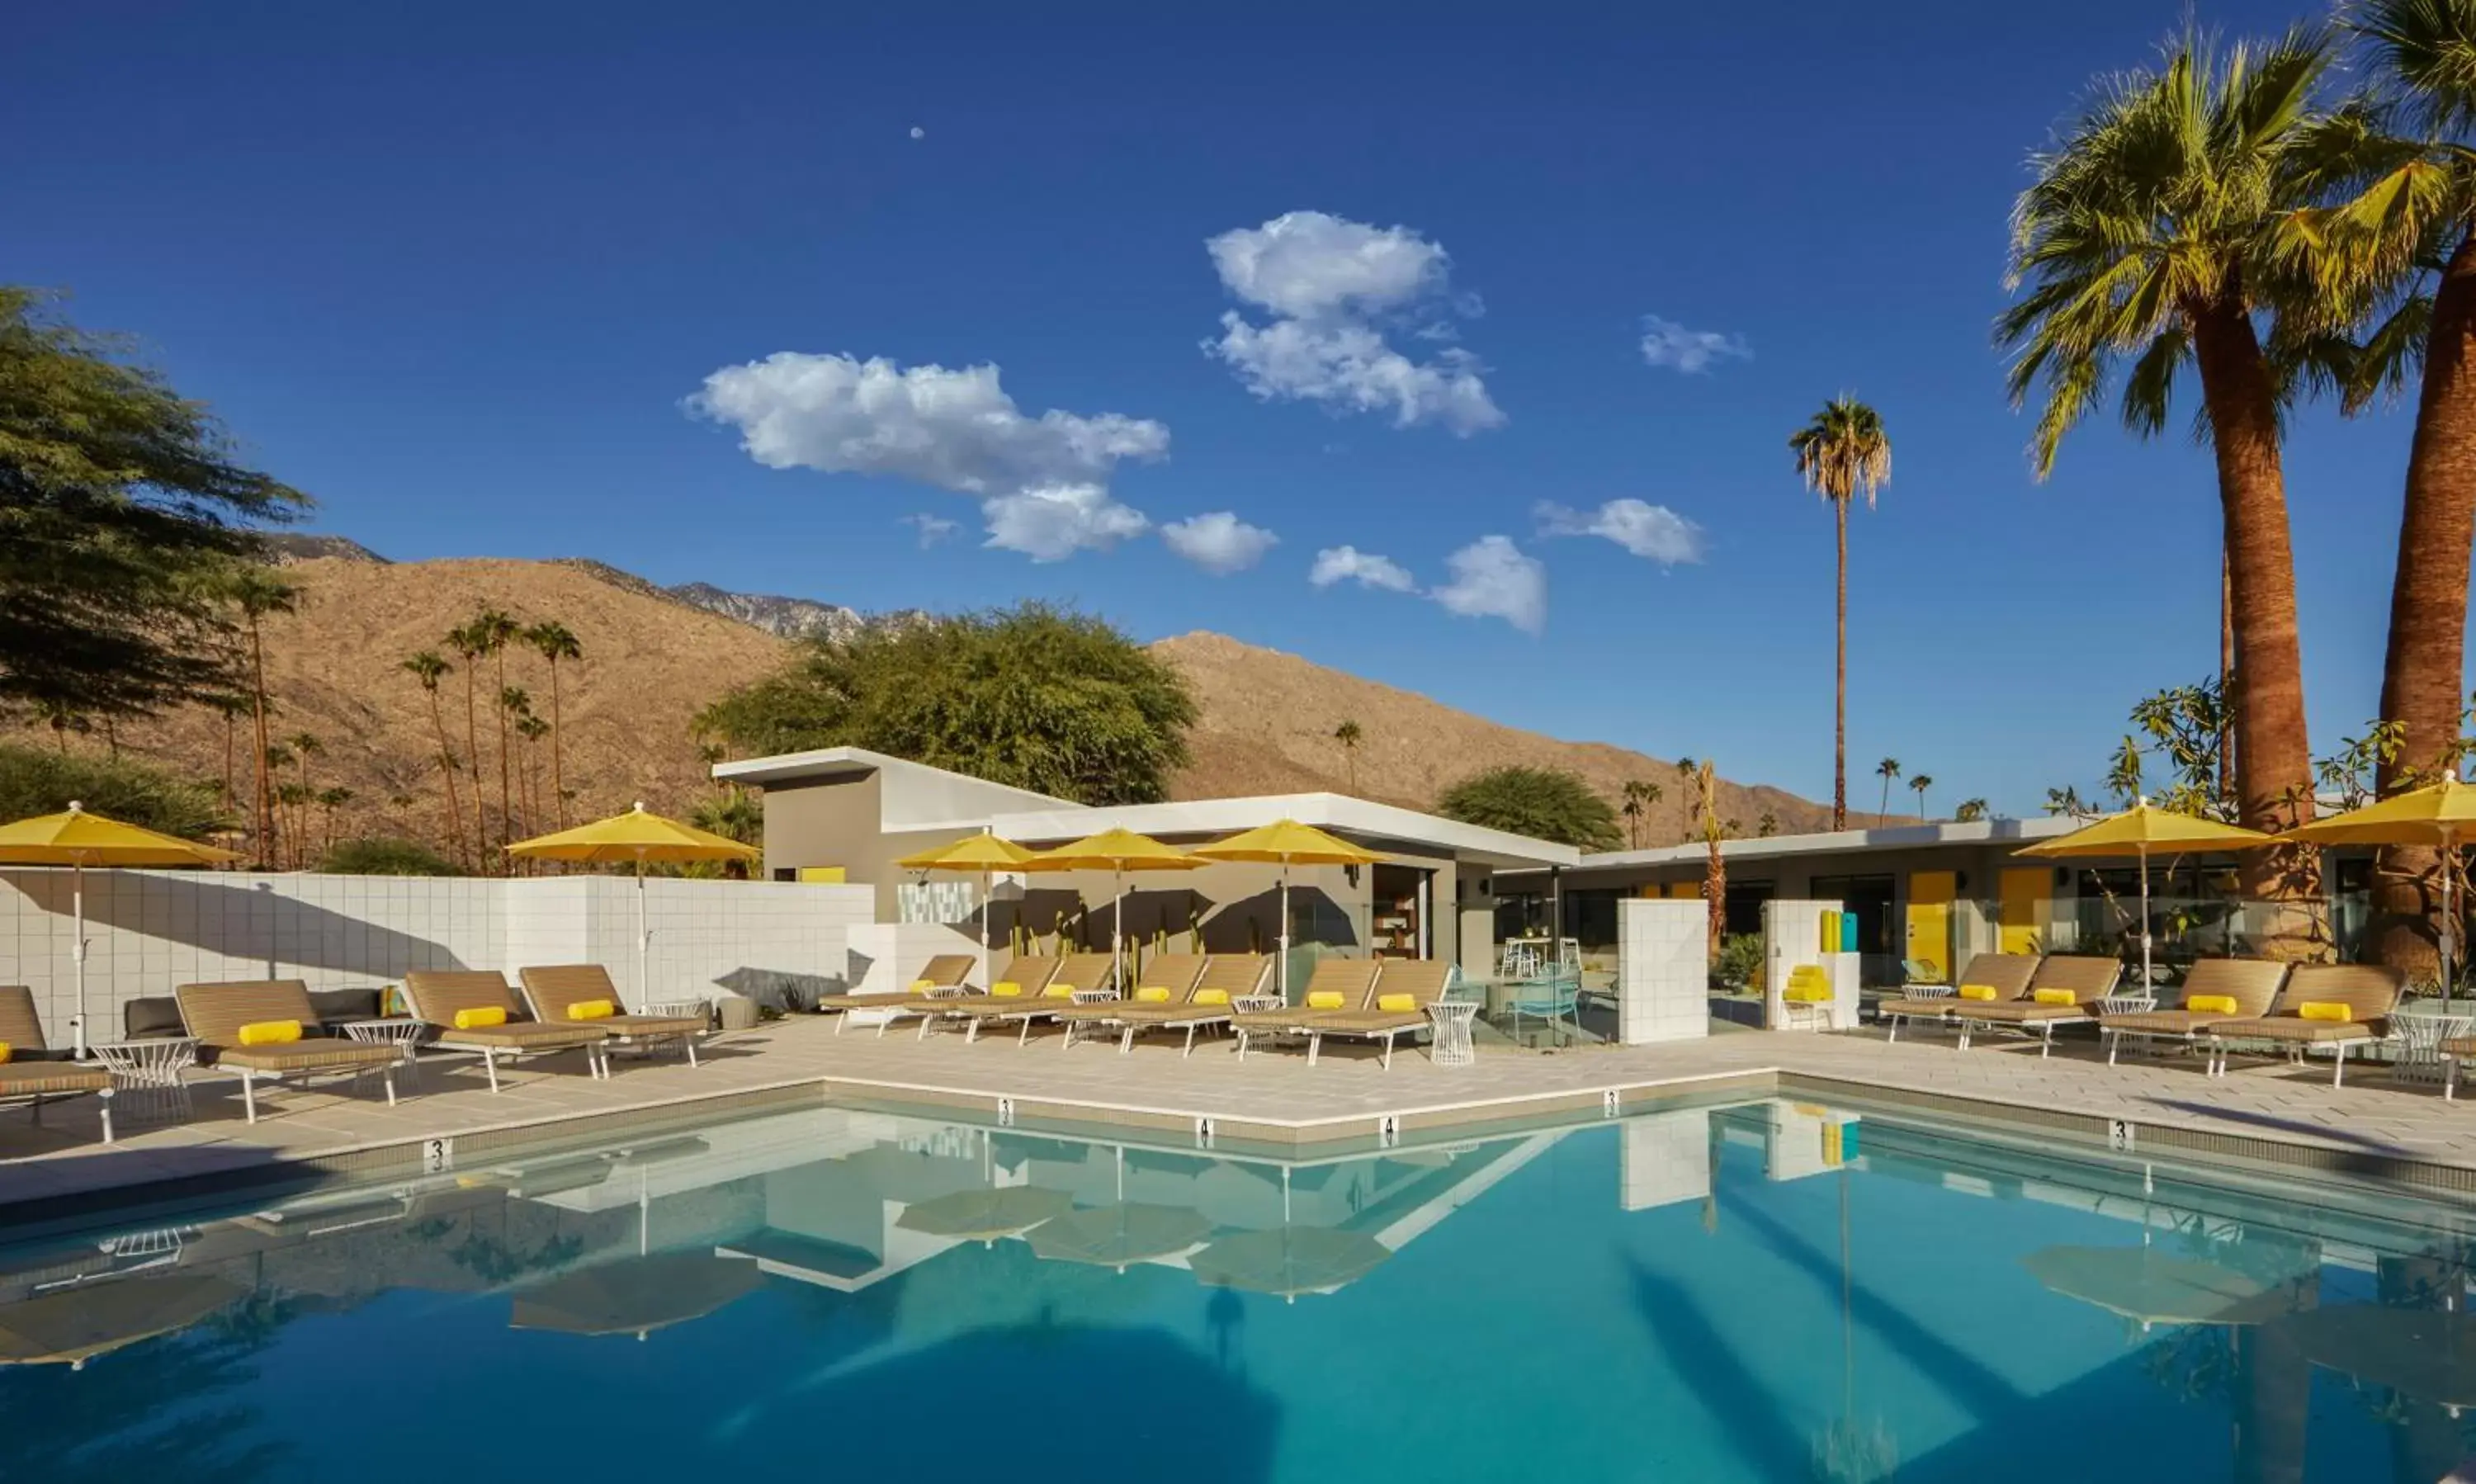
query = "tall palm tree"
x=470 y=644
x=64 y=719
x=256 y=594
x=1970 y=811
x=532 y=729
x=1715 y=869
x=1921 y=781
x=1349 y=735
x=304 y=746
x=229 y=707
x=1842 y=454
x=1887 y=769
x=329 y=800
x=497 y=629
x=515 y=703
x=2157 y=231
x=555 y=642
x=428 y=668
x=295 y=802
x=1639 y=794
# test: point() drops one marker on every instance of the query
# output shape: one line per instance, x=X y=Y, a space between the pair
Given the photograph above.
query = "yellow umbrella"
x=2441 y=815
x=1116 y=851
x=73 y=1326
x=1288 y=843
x=2139 y=829
x=639 y=836
x=983 y=852
x=77 y=840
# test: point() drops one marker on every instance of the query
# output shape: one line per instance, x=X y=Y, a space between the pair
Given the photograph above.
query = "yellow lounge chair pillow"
x=1807 y=994
x=2211 y=1004
x=2053 y=997
x=5 y=1052
x=1007 y=989
x=1980 y=992
x=1152 y=994
x=2326 y=1010
x=592 y=1009
x=1058 y=992
x=281 y=1032
x=480 y=1017
x=1396 y=1005
x=923 y=986
x=1212 y=997
x=1324 y=1000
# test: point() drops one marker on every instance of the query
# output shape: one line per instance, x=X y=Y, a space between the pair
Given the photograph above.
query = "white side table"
x=1451 y=1045
x=402 y=1033
x=2128 y=1004
x=679 y=1010
x=147 y=1079
x=2416 y=1043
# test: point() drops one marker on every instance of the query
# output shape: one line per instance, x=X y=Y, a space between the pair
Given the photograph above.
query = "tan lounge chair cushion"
x=2252 y=983
x=526 y=1035
x=20 y=1024
x=2083 y=978
x=2007 y=974
x=2017 y=1012
x=214 y=1013
x=2281 y=1028
x=307 y=1056
x=438 y=993
x=2165 y=1022
x=36 y=1079
x=2368 y=991
x=1354 y=980
x=555 y=990
x=1940 y=1004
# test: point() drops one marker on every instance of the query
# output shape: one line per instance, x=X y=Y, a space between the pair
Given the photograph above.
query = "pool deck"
x=2376 y=1126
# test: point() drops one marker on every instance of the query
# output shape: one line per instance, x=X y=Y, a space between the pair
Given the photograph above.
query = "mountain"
x=652 y=657
x=289 y=547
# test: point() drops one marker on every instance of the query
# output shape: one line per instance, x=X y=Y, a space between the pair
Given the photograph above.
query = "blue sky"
x=461 y=276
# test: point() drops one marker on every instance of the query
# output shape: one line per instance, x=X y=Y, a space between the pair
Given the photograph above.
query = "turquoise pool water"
x=1769 y=1292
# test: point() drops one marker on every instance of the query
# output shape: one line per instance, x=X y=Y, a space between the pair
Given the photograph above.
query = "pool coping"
x=1333 y=1135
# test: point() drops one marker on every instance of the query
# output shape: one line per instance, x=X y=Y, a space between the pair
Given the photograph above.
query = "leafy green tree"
x=36 y=780
x=1545 y=804
x=120 y=499
x=1842 y=452
x=1032 y=696
x=380 y=856
x=1970 y=811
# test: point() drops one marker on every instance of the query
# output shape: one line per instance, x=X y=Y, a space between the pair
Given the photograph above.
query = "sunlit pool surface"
x=1771 y=1292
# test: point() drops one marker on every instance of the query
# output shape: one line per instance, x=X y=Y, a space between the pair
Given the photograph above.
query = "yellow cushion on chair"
x=2211 y=1004
x=1980 y=992
x=1058 y=992
x=1152 y=994
x=2053 y=997
x=270 y=1032
x=923 y=986
x=1007 y=989
x=1396 y=1005
x=5 y=1052
x=592 y=1009
x=1324 y=1000
x=1212 y=997
x=2325 y=1010
x=479 y=1016
x=1807 y=994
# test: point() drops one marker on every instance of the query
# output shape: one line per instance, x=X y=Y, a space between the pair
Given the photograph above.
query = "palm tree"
x=1842 y=452
x=1715 y=870
x=1887 y=769
x=555 y=642
x=2153 y=233
x=64 y=719
x=1921 y=781
x=428 y=668
x=229 y=707
x=469 y=642
x=1971 y=812
x=496 y=629
x=1349 y=735
x=1767 y=826
x=1639 y=794
x=532 y=729
x=329 y=800
x=304 y=746
x=294 y=798
x=258 y=593
x=515 y=703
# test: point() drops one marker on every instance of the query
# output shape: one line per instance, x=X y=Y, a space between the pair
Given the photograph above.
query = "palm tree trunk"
x=2273 y=756
x=447 y=768
x=232 y=725
x=473 y=750
x=2226 y=681
x=2420 y=675
x=500 y=658
x=265 y=801
x=558 y=745
x=1840 y=678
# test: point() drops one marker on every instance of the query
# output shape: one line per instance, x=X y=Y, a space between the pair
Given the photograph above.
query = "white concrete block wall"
x=1662 y=970
x=1664 y=1158
x=762 y=939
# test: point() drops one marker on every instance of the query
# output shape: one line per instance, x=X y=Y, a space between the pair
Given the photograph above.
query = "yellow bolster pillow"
x=1807 y=994
x=2053 y=997
x=2325 y=1010
x=281 y=1032
x=2211 y=1004
x=1396 y=1005
x=1058 y=992
x=592 y=1009
x=1152 y=994
x=5 y=1052
x=1324 y=1000
x=1007 y=989
x=479 y=1016
x=1980 y=992
x=923 y=986
x=1212 y=997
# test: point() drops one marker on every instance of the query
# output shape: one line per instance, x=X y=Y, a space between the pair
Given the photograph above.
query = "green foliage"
x=1739 y=962
x=1971 y=812
x=385 y=856
x=1844 y=452
x=120 y=505
x=36 y=781
x=1032 y=696
x=1545 y=804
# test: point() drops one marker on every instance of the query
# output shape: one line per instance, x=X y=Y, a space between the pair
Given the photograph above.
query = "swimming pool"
x=1769 y=1291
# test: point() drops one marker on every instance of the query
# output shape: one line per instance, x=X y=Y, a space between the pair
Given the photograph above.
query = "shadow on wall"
x=1244 y=924
x=254 y=923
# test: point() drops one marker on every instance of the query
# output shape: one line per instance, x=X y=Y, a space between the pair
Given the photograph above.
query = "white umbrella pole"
x=644 y=935
x=2450 y=916
x=1118 y=932
x=1285 y=929
x=77 y=950
x=2144 y=920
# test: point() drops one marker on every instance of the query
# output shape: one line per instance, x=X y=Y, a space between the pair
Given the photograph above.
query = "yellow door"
x=1930 y=894
x=2023 y=890
x=1692 y=889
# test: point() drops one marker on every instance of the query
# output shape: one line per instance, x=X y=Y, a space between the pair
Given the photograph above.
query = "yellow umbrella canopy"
x=2137 y=831
x=2153 y=1288
x=2423 y=1353
x=984 y=853
x=2441 y=815
x=1116 y=851
x=73 y=1326
x=77 y=839
x=984 y=1215
x=1119 y=1236
x=637 y=1296
x=1288 y=1261
x=1288 y=843
x=638 y=836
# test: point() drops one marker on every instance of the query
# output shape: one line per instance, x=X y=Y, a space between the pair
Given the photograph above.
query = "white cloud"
x=1218 y=542
x=1667 y=343
x=1043 y=481
x=1643 y=529
x=1491 y=578
x=1347 y=563
x=1054 y=520
x=1335 y=289
x=932 y=529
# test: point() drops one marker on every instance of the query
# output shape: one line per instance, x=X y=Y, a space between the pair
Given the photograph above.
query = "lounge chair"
x=2336 y=1005
x=1078 y=974
x=439 y=996
x=1337 y=986
x=1227 y=979
x=1023 y=980
x=220 y=1018
x=2007 y=974
x=30 y=1075
x=2065 y=991
x=1166 y=981
x=1408 y=987
x=555 y=993
x=2216 y=991
x=946 y=973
